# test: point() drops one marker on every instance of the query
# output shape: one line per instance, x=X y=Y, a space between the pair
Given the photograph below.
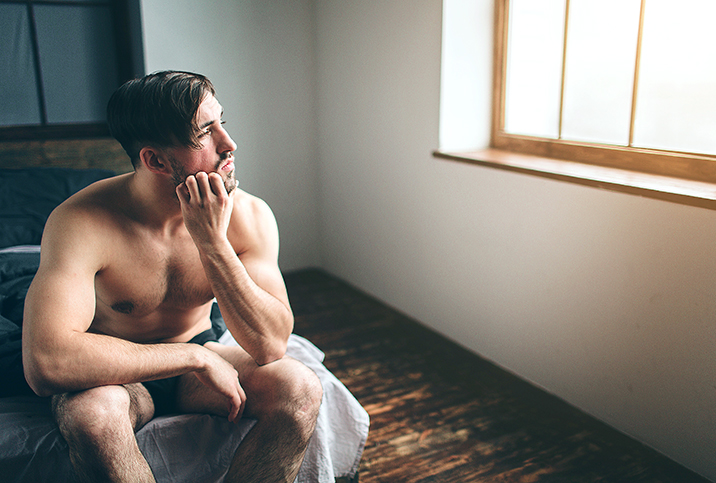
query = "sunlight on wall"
x=464 y=86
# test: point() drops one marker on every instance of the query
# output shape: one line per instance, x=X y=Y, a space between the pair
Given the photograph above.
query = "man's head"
x=159 y=110
x=213 y=155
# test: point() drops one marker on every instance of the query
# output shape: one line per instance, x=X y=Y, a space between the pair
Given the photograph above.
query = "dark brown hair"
x=158 y=109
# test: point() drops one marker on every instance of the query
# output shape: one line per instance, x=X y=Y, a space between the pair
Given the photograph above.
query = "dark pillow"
x=28 y=196
x=7 y=327
x=16 y=273
x=12 y=377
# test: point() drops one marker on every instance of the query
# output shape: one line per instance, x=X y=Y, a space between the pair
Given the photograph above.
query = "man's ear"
x=154 y=160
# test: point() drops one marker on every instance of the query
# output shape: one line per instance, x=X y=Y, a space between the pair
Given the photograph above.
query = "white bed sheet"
x=190 y=448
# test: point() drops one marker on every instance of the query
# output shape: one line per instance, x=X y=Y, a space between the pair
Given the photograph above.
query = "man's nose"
x=226 y=144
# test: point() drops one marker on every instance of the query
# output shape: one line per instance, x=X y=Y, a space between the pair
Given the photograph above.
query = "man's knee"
x=97 y=425
x=295 y=396
x=307 y=392
x=92 y=414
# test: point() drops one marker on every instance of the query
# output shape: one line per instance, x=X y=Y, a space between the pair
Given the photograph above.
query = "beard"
x=230 y=182
x=179 y=174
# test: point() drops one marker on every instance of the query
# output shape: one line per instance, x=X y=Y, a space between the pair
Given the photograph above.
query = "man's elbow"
x=272 y=353
x=40 y=378
x=39 y=385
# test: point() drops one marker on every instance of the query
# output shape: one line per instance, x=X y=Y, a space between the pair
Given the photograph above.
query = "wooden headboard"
x=105 y=153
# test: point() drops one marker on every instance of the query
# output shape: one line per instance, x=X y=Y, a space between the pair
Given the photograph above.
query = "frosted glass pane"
x=534 y=67
x=18 y=91
x=78 y=61
x=599 y=73
x=676 y=103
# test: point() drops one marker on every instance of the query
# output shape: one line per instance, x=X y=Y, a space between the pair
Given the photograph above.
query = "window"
x=619 y=83
x=61 y=62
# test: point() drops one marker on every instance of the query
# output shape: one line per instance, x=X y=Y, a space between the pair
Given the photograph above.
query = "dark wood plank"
x=442 y=414
x=105 y=153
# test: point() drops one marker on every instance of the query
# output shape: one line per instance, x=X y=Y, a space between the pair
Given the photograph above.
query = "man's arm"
x=59 y=355
x=249 y=287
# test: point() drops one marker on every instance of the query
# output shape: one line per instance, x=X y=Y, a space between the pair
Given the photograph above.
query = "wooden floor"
x=441 y=414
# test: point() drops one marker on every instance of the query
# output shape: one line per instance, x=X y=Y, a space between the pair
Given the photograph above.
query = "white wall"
x=605 y=299
x=260 y=57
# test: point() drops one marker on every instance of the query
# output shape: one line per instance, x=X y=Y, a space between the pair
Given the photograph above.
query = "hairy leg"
x=99 y=425
x=284 y=396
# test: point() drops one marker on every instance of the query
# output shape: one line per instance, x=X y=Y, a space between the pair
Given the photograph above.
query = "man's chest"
x=145 y=277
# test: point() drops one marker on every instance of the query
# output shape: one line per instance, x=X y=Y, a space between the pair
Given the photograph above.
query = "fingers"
x=231 y=388
x=234 y=411
x=226 y=384
x=183 y=193
x=243 y=402
x=217 y=184
x=236 y=401
x=192 y=183
x=200 y=185
x=237 y=404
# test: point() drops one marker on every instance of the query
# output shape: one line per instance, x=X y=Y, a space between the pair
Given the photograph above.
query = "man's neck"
x=155 y=200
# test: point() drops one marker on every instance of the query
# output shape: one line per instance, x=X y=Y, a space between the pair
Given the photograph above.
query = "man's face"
x=216 y=152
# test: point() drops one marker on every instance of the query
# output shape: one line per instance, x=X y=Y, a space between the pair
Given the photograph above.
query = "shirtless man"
x=129 y=269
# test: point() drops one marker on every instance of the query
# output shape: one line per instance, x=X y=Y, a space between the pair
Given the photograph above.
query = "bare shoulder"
x=84 y=223
x=96 y=205
x=253 y=225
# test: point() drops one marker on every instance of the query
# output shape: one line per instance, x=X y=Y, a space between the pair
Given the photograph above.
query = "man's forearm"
x=89 y=360
x=260 y=322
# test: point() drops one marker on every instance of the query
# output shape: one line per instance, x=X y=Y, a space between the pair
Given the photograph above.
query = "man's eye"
x=207 y=131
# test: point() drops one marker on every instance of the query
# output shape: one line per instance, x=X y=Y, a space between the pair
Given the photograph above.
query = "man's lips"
x=228 y=165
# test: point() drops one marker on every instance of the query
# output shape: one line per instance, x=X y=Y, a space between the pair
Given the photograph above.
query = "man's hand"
x=220 y=376
x=206 y=207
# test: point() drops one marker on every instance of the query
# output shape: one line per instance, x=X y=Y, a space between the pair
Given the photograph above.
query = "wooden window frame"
x=667 y=163
x=681 y=177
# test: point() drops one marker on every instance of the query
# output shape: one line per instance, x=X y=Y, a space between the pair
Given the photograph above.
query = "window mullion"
x=637 y=64
x=564 y=69
x=38 y=69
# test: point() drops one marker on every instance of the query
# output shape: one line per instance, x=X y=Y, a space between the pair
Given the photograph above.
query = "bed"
x=189 y=447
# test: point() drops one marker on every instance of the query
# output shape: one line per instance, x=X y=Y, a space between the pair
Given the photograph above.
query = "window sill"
x=683 y=191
